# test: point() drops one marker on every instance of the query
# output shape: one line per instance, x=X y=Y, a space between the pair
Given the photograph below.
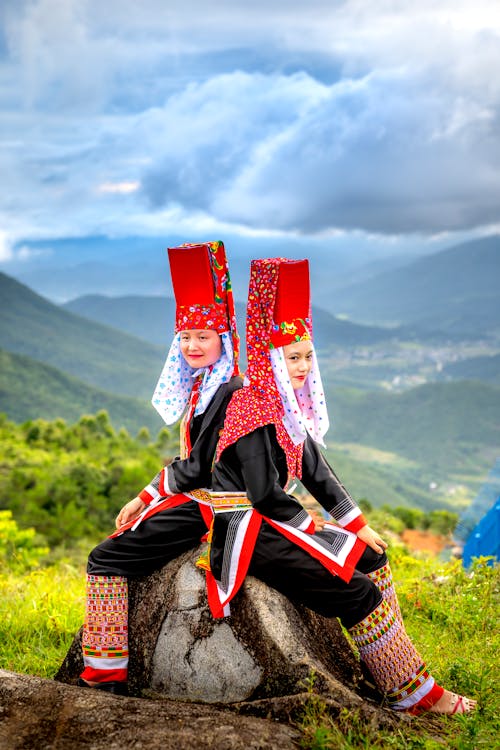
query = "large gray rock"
x=37 y=714
x=269 y=660
x=266 y=650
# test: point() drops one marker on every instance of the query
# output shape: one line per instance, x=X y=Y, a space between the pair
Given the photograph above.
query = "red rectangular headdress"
x=292 y=305
x=202 y=289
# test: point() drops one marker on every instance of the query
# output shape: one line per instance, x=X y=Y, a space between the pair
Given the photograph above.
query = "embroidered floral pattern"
x=391 y=657
x=259 y=325
x=285 y=332
x=268 y=397
x=174 y=385
x=382 y=578
x=246 y=412
x=105 y=631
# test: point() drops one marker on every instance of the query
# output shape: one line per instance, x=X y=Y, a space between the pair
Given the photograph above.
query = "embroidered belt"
x=220 y=502
x=223 y=502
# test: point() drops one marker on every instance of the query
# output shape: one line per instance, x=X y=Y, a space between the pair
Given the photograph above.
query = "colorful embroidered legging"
x=391 y=657
x=159 y=539
x=382 y=578
x=105 y=631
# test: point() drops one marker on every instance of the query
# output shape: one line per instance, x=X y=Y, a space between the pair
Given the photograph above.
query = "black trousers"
x=277 y=561
x=155 y=542
x=301 y=578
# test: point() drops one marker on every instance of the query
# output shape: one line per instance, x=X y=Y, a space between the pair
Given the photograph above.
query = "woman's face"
x=299 y=361
x=200 y=348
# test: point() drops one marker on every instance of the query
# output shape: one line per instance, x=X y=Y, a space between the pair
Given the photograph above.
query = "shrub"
x=19 y=550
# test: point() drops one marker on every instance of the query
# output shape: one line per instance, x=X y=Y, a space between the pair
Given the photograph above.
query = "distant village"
x=397 y=366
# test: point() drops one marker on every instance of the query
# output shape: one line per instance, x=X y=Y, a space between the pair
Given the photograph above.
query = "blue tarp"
x=484 y=539
x=480 y=506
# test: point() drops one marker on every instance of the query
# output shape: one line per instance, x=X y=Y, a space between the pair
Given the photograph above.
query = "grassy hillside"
x=33 y=390
x=98 y=355
x=382 y=478
x=446 y=428
x=455 y=289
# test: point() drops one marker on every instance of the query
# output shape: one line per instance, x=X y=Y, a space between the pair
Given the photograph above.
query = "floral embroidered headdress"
x=278 y=313
x=204 y=301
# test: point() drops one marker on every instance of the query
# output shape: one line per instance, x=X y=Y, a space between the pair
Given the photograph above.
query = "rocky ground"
x=37 y=714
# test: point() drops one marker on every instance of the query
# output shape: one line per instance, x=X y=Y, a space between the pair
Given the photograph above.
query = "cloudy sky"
x=272 y=118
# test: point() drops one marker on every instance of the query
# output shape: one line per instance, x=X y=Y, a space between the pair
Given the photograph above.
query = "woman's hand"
x=129 y=512
x=319 y=521
x=372 y=539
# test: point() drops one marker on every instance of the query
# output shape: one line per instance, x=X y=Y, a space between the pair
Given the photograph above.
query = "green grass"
x=452 y=617
x=450 y=613
x=40 y=613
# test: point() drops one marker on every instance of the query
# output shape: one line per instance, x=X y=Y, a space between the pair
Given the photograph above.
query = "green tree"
x=413 y=518
x=441 y=521
x=19 y=549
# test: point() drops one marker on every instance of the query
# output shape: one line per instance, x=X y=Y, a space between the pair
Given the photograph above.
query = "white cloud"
x=6 y=253
x=295 y=155
x=27 y=253
x=10 y=254
x=292 y=118
x=119 y=187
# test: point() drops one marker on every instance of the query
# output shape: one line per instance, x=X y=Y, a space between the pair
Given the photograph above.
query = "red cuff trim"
x=427 y=701
x=145 y=497
x=356 y=524
x=432 y=697
x=311 y=528
x=161 y=486
x=104 y=675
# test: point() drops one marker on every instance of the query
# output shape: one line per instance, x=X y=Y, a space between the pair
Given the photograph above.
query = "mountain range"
x=33 y=390
x=98 y=355
x=452 y=289
x=152 y=319
x=97 y=352
x=64 y=268
x=455 y=290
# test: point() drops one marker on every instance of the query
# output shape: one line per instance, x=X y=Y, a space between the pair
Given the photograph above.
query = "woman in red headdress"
x=168 y=516
x=272 y=433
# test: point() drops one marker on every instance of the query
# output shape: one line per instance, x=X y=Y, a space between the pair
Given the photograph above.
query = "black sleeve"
x=194 y=472
x=321 y=481
x=257 y=458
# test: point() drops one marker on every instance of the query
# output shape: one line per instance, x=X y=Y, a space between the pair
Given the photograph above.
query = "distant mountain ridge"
x=152 y=319
x=453 y=290
x=69 y=267
x=457 y=289
x=96 y=354
x=57 y=363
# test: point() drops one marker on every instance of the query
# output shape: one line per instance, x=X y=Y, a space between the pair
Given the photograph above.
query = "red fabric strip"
x=356 y=524
x=343 y=571
x=428 y=700
x=244 y=558
x=104 y=675
x=170 y=502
